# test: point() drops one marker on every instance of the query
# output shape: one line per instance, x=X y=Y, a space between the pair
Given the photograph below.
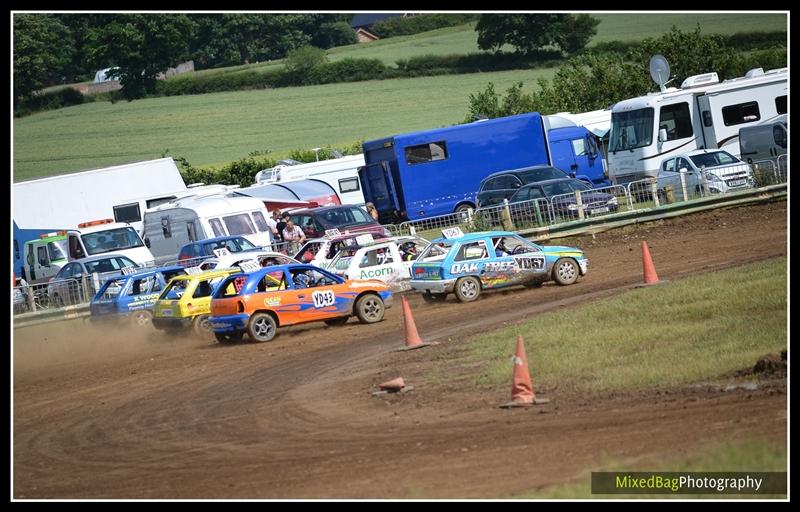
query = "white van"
x=171 y=225
x=764 y=141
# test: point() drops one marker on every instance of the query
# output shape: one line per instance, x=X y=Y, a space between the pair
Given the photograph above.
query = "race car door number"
x=323 y=299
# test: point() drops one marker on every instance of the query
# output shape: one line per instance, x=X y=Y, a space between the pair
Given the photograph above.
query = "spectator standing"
x=293 y=235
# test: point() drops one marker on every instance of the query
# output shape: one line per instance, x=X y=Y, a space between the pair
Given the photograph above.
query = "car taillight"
x=239 y=307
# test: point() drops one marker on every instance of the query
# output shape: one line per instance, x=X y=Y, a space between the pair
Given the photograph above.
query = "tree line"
x=52 y=49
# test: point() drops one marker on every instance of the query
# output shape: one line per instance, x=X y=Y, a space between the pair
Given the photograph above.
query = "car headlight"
x=572 y=207
x=387 y=232
x=613 y=201
x=712 y=177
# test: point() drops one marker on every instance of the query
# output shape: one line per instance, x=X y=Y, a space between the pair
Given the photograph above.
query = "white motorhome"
x=171 y=225
x=340 y=173
x=121 y=192
x=703 y=113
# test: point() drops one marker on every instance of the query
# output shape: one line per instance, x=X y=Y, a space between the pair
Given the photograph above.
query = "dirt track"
x=119 y=415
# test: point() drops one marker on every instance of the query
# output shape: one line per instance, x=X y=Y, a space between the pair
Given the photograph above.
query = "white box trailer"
x=340 y=173
x=121 y=192
x=171 y=225
x=703 y=114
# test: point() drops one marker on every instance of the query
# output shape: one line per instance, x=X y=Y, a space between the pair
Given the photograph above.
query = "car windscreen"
x=114 y=264
x=174 y=289
x=111 y=240
x=713 y=159
x=233 y=245
x=541 y=174
x=557 y=188
x=435 y=252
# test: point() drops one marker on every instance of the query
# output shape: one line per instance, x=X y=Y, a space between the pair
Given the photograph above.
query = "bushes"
x=242 y=172
x=347 y=70
x=201 y=84
x=50 y=101
x=402 y=26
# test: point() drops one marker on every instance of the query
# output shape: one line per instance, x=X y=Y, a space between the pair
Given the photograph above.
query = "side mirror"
x=683 y=169
x=147 y=242
x=662 y=135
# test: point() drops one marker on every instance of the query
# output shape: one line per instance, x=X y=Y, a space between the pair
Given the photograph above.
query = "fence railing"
x=637 y=195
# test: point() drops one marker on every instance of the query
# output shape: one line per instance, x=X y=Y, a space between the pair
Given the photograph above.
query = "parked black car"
x=562 y=205
x=501 y=185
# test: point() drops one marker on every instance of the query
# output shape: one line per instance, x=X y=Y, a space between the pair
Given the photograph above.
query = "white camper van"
x=171 y=225
x=703 y=114
x=340 y=173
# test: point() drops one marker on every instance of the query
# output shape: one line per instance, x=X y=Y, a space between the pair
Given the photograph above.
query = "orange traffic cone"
x=650 y=276
x=393 y=385
x=412 y=336
x=522 y=394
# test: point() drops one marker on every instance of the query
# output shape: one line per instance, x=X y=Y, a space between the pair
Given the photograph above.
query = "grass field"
x=221 y=127
x=620 y=27
x=750 y=455
x=218 y=128
x=698 y=328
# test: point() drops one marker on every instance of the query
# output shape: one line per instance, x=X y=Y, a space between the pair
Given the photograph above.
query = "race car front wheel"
x=565 y=271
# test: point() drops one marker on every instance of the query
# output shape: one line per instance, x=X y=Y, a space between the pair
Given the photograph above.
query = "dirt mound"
x=770 y=364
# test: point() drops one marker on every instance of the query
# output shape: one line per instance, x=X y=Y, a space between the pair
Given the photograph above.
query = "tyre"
x=370 y=308
x=434 y=297
x=337 y=321
x=468 y=289
x=228 y=337
x=262 y=327
x=142 y=319
x=58 y=301
x=464 y=211
x=565 y=271
x=201 y=325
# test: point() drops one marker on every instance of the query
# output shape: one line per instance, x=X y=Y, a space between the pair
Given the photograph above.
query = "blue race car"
x=130 y=298
x=467 y=264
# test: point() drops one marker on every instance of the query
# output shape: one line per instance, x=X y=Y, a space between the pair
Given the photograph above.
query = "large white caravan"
x=703 y=113
x=171 y=225
x=340 y=173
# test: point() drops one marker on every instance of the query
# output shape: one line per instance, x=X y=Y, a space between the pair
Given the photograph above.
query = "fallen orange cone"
x=393 y=385
x=650 y=276
x=522 y=394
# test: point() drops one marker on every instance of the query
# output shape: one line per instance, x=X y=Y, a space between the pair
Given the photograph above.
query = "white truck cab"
x=45 y=257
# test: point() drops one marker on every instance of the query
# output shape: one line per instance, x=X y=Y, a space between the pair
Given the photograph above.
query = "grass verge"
x=675 y=333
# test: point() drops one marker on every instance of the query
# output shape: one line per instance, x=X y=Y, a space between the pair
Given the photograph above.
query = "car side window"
x=668 y=165
x=203 y=290
x=472 y=251
x=684 y=164
x=535 y=193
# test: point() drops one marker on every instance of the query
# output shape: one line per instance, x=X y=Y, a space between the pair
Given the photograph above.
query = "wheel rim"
x=262 y=328
x=372 y=309
x=566 y=271
x=468 y=288
x=204 y=325
x=141 y=319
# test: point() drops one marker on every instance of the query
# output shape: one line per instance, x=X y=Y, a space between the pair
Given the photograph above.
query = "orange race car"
x=261 y=301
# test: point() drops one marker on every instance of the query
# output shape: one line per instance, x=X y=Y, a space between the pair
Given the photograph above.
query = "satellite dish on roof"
x=659 y=70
